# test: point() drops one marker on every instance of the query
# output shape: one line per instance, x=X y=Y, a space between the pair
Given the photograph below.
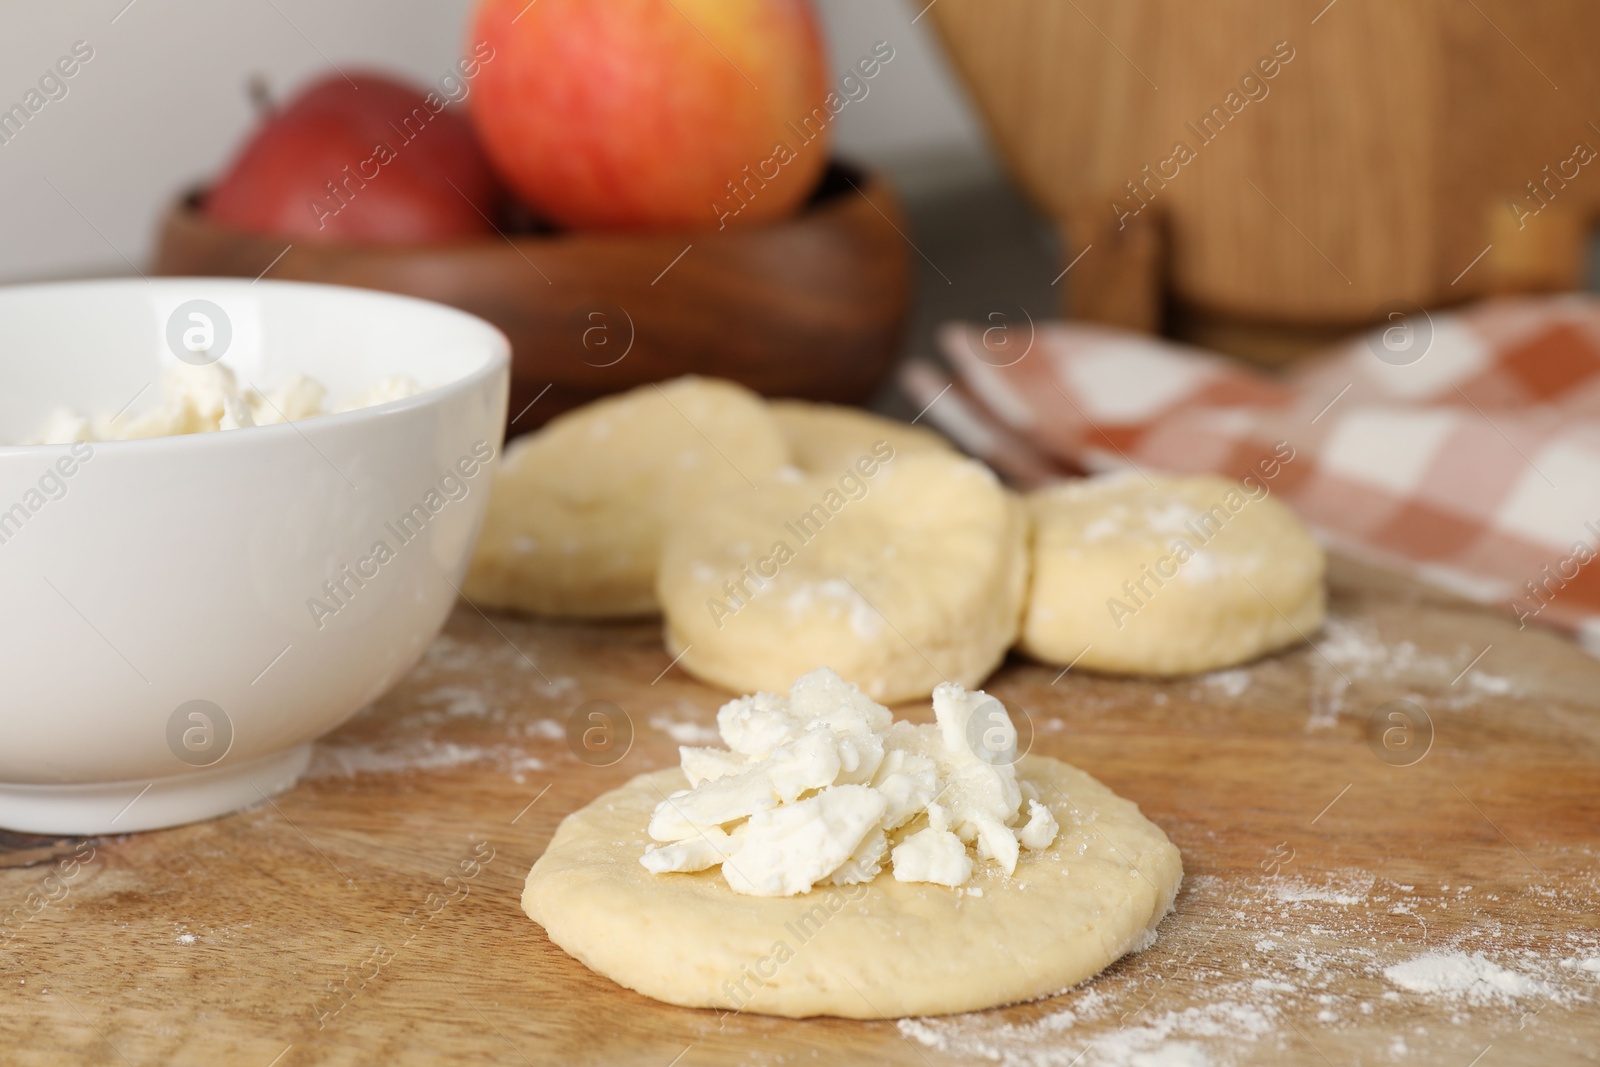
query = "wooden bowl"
x=812 y=306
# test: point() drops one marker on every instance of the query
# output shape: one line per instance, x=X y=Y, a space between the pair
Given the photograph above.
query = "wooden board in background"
x=1393 y=147
x=1312 y=865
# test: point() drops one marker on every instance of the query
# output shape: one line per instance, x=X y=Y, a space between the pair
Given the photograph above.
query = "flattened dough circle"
x=899 y=579
x=828 y=438
x=578 y=510
x=882 y=950
x=1166 y=576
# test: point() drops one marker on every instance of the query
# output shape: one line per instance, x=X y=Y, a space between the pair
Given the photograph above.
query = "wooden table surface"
x=370 y=915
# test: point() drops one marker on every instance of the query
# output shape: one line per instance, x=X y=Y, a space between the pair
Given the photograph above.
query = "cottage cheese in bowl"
x=234 y=552
x=206 y=398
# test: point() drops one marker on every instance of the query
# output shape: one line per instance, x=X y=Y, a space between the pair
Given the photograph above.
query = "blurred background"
x=165 y=103
x=1267 y=182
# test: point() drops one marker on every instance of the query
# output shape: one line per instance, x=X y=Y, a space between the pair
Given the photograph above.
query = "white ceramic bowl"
x=162 y=654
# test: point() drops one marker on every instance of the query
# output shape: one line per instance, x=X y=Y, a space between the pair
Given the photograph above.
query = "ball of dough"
x=827 y=438
x=878 y=950
x=578 y=510
x=1182 y=575
x=900 y=574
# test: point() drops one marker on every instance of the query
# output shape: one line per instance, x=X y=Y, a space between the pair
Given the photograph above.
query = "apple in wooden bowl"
x=667 y=218
x=809 y=306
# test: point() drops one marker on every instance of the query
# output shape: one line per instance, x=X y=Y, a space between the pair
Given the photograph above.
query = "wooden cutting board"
x=371 y=914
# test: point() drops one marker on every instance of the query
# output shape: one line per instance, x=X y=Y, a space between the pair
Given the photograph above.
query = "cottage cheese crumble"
x=200 y=399
x=822 y=786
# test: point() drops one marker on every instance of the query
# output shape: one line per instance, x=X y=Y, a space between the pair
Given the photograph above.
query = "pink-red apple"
x=368 y=159
x=654 y=114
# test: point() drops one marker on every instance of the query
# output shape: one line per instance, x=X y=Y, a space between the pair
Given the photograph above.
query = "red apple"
x=376 y=161
x=646 y=114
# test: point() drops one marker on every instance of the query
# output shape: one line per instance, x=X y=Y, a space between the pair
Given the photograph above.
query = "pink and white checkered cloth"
x=1461 y=447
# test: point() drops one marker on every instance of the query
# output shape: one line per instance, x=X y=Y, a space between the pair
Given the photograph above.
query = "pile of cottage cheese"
x=822 y=786
x=199 y=399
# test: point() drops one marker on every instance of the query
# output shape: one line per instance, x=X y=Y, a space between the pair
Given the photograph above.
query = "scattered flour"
x=686 y=733
x=426 y=754
x=1356 y=647
x=1325 y=948
x=1489 y=683
x=1165 y=1039
x=1350 y=652
x=1161 y=1041
x=1471 y=977
x=1349 y=890
x=1229 y=683
x=457 y=682
x=459 y=701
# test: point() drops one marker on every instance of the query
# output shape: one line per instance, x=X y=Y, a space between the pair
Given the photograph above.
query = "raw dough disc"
x=917 y=580
x=575 y=521
x=1108 y=577
x=881 y=950
x=827 y=439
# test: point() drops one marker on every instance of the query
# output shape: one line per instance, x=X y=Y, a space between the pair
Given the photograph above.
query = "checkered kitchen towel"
x=1462 y=447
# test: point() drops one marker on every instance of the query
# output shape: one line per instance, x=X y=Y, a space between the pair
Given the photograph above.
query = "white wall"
x=916 y=112
x=162 y=103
